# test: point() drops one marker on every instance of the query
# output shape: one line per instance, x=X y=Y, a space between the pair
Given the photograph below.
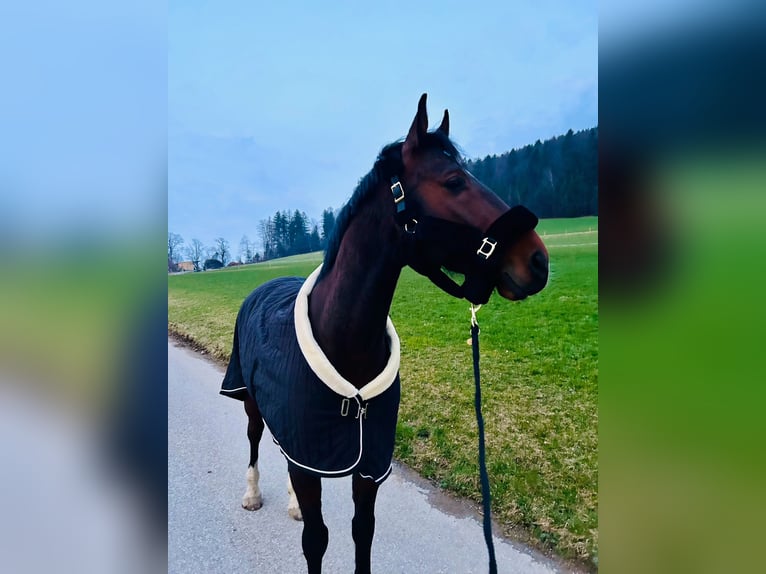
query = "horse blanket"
x=321 y=422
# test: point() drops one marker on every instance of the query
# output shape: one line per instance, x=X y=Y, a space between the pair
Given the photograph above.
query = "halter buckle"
x=411 y=226
x=490 y=244
x=344 y=407
x=398 y=191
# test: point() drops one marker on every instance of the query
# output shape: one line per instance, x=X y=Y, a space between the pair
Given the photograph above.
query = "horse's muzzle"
x=520 y=281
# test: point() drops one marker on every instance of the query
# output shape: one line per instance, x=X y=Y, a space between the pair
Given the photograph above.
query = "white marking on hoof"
x=252 y=500
x=293 y=510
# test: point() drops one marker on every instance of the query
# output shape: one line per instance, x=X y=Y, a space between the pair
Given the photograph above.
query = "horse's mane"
x=387 y=164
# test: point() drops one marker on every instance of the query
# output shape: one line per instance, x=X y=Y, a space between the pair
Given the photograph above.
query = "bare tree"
x=222 y=247
x=268 y=237
x=175 y=241
x=195 y=252
x=246 y=249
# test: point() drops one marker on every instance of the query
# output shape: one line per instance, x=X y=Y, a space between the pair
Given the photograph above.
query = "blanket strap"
x=486 y=497
x=361 y=410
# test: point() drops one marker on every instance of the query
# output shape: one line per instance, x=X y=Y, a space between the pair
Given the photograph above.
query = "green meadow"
x=539 y=364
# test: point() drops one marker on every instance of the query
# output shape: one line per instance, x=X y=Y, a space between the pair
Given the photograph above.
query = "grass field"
x=539 y=372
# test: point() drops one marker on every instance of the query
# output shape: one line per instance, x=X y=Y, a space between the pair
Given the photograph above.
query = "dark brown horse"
x=418 y=206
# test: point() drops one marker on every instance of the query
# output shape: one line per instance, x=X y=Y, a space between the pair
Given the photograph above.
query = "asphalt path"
x=419 y=530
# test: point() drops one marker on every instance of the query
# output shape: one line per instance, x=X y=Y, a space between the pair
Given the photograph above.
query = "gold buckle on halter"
x=398 y=192
x=487 y=242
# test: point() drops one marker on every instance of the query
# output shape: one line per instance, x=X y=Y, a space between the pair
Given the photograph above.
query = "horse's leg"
x=252 y=500
x=293 y=508
x=308 y=489
x=365 y=491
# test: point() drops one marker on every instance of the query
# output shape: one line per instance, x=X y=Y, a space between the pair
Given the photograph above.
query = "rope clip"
x=474 y=310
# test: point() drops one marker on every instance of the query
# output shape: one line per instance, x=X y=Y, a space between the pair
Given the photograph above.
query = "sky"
x=285 y=105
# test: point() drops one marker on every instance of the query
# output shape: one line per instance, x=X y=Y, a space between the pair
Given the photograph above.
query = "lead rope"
x=486 y=497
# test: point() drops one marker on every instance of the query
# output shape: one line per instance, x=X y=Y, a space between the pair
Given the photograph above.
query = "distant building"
x=212 y=264
x=185 y=266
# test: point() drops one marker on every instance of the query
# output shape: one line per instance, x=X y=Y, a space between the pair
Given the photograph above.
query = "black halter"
x=433 y=243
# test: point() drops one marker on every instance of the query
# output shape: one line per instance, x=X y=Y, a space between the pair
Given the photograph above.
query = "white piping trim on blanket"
x=229 y=391
x=320 y=471
x=382 y=478
x=321 y=365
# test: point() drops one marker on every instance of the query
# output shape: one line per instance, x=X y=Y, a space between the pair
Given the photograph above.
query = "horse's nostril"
x=539 y=264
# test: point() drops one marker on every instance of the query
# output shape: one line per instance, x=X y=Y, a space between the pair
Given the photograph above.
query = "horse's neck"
x=349 y=307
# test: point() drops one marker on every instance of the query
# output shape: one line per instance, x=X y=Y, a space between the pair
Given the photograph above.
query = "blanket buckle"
x=344 y=407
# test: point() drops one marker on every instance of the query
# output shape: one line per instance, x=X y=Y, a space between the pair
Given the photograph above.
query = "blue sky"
x=285 y=105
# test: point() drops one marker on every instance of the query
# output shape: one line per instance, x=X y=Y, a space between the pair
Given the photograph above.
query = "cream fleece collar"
x=321 y=365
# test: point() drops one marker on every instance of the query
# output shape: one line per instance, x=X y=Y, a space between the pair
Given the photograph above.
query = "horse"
x=318 y=359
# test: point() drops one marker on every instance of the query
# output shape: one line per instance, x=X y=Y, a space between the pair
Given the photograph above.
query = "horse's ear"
x=444 y=126
x=418 y=128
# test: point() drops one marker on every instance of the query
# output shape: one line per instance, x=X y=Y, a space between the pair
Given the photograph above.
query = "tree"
x=175 y=241
x=266 y=231
x=554 y=178
x=195 y=252
x=298 y=234
x=211 y=253
x=315 y=243
x=280 y=233
x=288 y=233
x=222 y=247
x=328 y=223
x=246 y=249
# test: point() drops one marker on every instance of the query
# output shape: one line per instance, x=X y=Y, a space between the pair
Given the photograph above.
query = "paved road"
x=418 y=531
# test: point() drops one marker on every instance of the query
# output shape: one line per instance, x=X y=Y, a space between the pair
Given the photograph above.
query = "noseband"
x=433 y=243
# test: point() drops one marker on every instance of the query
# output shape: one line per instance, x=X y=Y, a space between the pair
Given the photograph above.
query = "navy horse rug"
x=321 y=422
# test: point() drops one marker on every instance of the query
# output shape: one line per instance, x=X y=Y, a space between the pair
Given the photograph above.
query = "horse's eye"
x=455 y=183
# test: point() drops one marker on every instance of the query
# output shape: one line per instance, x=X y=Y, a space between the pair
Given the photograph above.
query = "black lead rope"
x=486 y=497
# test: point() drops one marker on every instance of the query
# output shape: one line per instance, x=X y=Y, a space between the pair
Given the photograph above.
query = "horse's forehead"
x=438 y=159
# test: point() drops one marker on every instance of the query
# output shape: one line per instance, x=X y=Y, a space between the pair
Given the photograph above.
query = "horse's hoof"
x=252 y=502
x=295 y=513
